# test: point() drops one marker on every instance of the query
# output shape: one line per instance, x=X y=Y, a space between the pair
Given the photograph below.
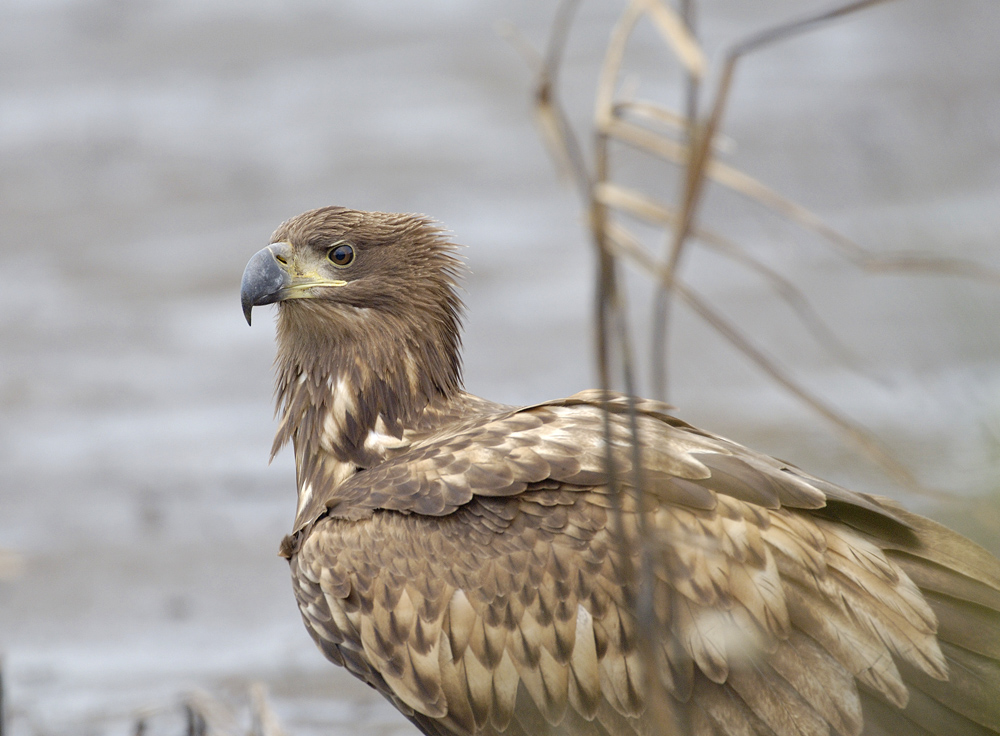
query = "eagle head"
x=335 y=261
x=366 y=300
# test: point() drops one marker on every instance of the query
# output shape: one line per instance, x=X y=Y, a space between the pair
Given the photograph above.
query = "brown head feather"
x=390 y=335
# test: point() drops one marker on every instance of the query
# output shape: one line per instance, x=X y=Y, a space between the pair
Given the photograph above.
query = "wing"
x=481 y=583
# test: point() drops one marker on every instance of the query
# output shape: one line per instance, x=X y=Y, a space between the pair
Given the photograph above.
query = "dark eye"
x=341 y=255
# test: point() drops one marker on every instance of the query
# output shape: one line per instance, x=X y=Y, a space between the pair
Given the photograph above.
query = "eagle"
x=482 y=567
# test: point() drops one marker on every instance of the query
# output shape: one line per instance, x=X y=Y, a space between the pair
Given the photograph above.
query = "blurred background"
x=149 y=147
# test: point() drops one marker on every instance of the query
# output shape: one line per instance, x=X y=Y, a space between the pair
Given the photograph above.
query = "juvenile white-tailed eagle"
x=464 y=558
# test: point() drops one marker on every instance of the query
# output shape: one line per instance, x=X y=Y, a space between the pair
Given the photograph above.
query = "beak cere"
x=264 y=278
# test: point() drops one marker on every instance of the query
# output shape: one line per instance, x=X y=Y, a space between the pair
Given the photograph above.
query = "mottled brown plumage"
x=465 y=559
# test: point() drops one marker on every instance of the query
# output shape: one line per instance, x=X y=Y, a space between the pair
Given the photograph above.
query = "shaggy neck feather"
x=345 y=372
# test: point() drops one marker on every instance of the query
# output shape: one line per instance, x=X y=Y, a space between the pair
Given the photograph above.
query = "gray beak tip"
x=263 y=280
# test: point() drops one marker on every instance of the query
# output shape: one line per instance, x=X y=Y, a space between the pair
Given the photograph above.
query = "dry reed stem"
x=700 y=165
x=702 y=135
x=611 y=322
x=696 y=156
x=628 y=245
x=264 y=721
x=556 y=132
x=196 y=723
x=209 y=716
x=742 y=183
x=861 y=437
x=675 y=32
x=657 y=213
x=611 y=314
x=638 y=584
x=647 y=110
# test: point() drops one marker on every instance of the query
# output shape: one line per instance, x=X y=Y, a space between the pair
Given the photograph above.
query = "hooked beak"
x=265 y=278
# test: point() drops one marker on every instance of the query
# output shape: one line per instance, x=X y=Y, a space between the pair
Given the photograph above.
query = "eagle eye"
x=341 y=255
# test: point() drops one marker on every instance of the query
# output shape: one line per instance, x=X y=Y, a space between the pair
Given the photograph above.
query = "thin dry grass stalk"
x=197 y=725
x=785 y=289
x=651 y=129
x=206 y=715
x=627 y=245
x=615 y=121
x=264 y=720
x=641 y=138
x=676 y=33
x=699 y=158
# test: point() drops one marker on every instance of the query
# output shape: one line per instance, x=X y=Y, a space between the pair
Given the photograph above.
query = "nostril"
x=281 y=260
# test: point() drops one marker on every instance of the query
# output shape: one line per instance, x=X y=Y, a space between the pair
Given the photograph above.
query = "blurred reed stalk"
x=689 y=140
